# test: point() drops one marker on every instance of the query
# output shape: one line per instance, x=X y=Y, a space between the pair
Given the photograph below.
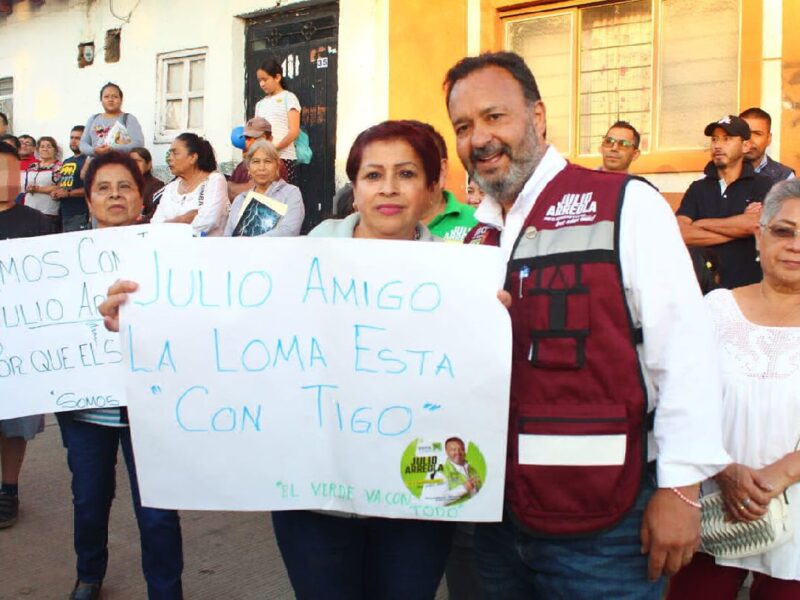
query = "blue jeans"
x=517 y=566
x=345 y=558
x=92 y=458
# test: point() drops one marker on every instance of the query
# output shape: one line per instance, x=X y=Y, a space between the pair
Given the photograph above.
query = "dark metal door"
x=304 y=39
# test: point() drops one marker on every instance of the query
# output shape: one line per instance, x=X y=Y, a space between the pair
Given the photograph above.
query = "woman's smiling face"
x=390 y=190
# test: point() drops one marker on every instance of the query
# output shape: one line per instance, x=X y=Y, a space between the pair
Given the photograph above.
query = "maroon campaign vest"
x=577 y=437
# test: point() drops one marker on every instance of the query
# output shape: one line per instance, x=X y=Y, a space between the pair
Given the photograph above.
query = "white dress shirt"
x=678 y=355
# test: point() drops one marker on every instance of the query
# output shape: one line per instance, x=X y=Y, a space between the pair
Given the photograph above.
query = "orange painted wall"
x=426 y=38
x=790 y=88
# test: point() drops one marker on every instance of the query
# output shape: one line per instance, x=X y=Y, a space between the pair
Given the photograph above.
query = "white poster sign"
x=55 y=354
x=356 y=375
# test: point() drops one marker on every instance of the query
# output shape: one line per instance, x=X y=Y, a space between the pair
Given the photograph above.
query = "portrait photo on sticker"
x=444 y=472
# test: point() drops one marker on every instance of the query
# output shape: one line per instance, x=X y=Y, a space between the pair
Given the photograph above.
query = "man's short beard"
x=520 y=168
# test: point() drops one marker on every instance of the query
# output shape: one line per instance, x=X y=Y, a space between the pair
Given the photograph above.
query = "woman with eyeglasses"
x=41 y=180
x=93 y=437
x=758 y=335
x=199 y=194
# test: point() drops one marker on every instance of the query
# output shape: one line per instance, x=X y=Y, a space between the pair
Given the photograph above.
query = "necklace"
x=47 y=169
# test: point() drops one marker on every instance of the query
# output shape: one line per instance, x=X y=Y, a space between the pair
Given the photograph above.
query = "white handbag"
x=737 y=539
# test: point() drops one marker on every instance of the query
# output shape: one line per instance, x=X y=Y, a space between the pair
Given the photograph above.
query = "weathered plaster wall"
x=39 y=48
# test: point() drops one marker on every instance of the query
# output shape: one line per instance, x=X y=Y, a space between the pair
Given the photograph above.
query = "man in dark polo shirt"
x=721 y=210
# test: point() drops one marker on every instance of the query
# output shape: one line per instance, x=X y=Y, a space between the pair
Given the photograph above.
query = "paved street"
x=227 y=555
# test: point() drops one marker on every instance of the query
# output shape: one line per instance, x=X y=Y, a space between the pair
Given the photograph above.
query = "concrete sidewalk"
x=226 y=554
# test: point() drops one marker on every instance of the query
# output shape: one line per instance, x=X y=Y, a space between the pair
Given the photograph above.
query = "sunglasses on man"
x=609 y=142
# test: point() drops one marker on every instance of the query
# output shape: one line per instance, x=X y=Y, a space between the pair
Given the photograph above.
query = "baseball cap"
x=258 y=126
x=732 y=125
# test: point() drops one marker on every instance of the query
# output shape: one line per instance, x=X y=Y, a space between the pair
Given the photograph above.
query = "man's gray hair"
x=780 y=192
x=268 y=147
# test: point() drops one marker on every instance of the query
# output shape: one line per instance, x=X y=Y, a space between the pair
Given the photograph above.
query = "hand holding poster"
x=259 y=215
x=55 y=353
x=356 y=375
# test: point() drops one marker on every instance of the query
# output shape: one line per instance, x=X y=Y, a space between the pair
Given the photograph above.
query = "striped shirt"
x=110 y=417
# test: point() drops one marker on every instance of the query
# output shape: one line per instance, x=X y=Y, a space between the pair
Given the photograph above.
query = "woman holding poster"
x=111 y=129
x=114 y=185
x=393 y=167
x=272 y=207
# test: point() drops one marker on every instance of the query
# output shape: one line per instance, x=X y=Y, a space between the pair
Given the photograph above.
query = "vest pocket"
x=570 y=459
x=559 y=325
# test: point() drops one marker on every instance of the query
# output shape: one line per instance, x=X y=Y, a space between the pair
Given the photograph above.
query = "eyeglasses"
x=782 y=232
x=608 y=142
x=106 y=189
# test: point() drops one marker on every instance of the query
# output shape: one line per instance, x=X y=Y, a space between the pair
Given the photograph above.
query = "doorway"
x=303 y=38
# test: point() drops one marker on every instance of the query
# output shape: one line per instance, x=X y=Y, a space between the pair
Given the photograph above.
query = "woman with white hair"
x=282 y=215
x=758 y=338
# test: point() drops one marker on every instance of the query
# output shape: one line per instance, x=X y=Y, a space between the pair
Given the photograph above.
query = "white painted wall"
x=39 y=49
x=363 y=98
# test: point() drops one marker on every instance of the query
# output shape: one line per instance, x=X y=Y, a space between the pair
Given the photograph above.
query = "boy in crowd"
x=16 y=221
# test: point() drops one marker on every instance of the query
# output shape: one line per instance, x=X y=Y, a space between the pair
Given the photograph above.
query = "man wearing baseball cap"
x=257 y=128
x=721 y=210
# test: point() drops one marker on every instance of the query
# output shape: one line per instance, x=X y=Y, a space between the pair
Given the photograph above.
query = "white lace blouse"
x=761 y=410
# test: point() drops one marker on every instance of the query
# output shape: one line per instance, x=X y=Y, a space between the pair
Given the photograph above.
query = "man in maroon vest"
x=613 y=387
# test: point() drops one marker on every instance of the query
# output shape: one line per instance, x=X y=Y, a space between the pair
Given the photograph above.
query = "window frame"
x=496 y=13
x=10 y=97
x=163 y=60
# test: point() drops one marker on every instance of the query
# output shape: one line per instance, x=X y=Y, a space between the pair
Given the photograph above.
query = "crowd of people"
x=632 y=395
